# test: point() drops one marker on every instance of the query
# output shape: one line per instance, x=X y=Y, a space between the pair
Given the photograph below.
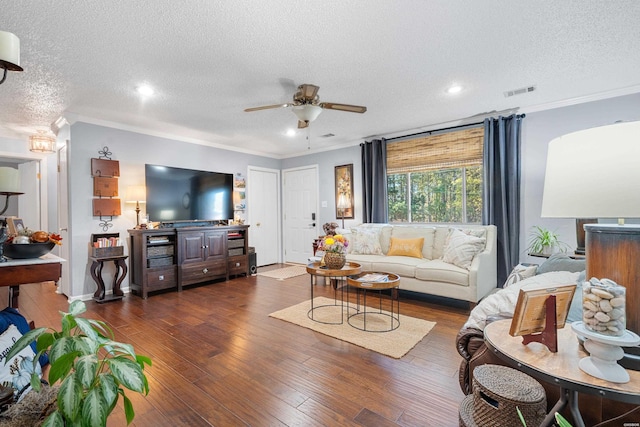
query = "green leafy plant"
x=562 y=421
x=543 y=239
x=92 y=368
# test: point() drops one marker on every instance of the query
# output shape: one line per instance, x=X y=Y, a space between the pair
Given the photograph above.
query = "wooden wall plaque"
x=104 y=167
x=106 y=207
x=105 y=187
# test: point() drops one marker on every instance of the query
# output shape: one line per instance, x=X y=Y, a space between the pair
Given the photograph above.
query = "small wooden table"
x=337 y=280
x=362 y=286
x=16 y=272
x=96 y=272
x=558 y=368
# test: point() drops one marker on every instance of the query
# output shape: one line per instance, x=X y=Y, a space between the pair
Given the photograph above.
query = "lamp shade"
x=9 y=180
x=594 y=173
x=343 y=202
x=9 y=51
x=307 y=112
x=136 y=194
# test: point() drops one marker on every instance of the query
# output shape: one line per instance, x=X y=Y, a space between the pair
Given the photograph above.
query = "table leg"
x=567 y=397
x=96 y=273
x=14 y=291
x=117 y=279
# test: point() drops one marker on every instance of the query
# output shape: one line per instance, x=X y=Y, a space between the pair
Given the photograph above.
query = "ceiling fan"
x=307 y=106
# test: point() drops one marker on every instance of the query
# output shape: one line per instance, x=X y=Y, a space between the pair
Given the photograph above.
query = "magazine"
x=374 y=277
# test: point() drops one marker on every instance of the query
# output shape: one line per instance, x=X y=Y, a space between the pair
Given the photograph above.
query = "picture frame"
x=15 y=225
x=529 y=314
x=344 y=191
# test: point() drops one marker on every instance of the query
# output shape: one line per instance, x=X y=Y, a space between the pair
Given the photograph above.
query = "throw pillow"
x=562 y=262
x=461 y=248
x=365 y=242
x=504 y=301
x=520 y=272
x=406 y=247
x=16 y=372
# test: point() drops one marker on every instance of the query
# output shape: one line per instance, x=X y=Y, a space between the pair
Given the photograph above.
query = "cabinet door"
x=191 y=247
x=215 y=244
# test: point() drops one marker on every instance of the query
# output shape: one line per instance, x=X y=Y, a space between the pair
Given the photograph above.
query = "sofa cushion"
x=442 y=234
x=439 y=271
x=406 y=247
x=365 y=241
x=401 y=265
x=385 y=233
x=520 y=272
x=461 y=248
x=504 y=301
x=562 y=262
x=415 y=231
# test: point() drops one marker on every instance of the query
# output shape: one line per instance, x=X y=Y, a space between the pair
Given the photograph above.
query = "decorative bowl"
x=26 y=251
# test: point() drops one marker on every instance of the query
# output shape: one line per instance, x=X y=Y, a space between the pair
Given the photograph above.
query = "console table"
x=16 y=272
x=96 y=272
x=559 y=368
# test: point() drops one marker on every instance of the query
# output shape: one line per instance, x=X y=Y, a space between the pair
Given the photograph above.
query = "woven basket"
x=334 y=260
x=498 y=390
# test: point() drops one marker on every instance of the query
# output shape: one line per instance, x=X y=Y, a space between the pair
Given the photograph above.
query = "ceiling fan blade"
x=266 y=107
x=302 y=124
x=343 y=107
x=308 y=92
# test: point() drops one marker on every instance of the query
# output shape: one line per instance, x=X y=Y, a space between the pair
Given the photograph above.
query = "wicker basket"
x=334 y=260
x=498 y=390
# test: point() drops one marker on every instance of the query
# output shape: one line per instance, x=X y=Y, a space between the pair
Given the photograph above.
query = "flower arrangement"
x=335 y=244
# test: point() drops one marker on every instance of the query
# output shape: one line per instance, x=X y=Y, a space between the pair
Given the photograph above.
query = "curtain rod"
x=430 y=132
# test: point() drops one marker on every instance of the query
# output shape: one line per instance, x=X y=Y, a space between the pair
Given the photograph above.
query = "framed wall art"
x=344 y=191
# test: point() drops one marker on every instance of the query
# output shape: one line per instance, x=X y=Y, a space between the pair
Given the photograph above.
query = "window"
x=436 y=177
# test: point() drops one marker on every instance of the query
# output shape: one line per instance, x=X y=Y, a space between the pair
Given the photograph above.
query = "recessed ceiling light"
x=454 y=89
x=291 y=132
x=145 y=90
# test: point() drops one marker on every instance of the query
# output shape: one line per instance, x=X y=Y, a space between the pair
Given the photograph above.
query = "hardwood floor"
x=219 y=360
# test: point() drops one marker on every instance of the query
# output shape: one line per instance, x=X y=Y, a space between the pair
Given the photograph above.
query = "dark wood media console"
x=171 y=258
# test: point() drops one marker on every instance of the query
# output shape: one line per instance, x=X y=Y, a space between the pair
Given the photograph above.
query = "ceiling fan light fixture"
x=307 y=112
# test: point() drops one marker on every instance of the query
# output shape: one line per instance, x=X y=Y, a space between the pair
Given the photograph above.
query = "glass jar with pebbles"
x=603 y=307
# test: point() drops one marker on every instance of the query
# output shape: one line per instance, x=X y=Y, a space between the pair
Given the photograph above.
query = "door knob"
x=257 y=224
x=312 y=224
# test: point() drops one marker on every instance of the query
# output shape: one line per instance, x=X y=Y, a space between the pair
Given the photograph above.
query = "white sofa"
x=429 y=274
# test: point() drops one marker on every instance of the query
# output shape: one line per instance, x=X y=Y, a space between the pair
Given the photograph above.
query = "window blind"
x=454 y=149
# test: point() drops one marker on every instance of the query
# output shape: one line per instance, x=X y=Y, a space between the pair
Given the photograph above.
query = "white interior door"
x=64 y=284
x=300 y=212
x=263 y=204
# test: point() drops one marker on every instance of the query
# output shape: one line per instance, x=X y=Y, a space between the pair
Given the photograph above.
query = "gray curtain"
x=501 y=188
x=374 y=180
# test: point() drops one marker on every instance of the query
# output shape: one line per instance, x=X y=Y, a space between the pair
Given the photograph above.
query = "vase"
x=334 y=260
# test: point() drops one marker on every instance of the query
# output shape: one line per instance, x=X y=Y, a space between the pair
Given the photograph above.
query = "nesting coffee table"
x=337 y=280
x=366 y=282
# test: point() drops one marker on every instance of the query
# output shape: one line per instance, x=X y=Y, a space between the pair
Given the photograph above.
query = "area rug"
x=285 y=272
x=394 y=344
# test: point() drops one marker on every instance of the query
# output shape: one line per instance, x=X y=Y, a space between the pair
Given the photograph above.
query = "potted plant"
x=92 y=368
x=544 y=241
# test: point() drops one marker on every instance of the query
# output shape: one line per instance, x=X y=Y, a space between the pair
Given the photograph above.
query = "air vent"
x=520 y=91
x=327 y=135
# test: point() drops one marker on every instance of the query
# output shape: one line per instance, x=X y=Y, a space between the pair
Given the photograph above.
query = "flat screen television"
x=176 y=194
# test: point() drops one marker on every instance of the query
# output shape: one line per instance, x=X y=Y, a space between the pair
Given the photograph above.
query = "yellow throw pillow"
x=406 y=247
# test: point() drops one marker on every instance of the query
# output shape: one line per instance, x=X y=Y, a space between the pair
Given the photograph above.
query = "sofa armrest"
x=483 y=273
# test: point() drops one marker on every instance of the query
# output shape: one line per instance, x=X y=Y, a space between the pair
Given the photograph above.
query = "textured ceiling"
x=209 y=60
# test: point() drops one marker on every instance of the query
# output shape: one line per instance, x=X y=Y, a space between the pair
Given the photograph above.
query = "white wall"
x=132 y=150
x=537 y=131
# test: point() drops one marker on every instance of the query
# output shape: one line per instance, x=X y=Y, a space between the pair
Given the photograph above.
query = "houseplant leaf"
x=86 y=368
x=61 y=366
x=109 y=388
x=94 y=409
x=128 y=373
x=54 y=420
x=24 y=341
x=70 y=397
